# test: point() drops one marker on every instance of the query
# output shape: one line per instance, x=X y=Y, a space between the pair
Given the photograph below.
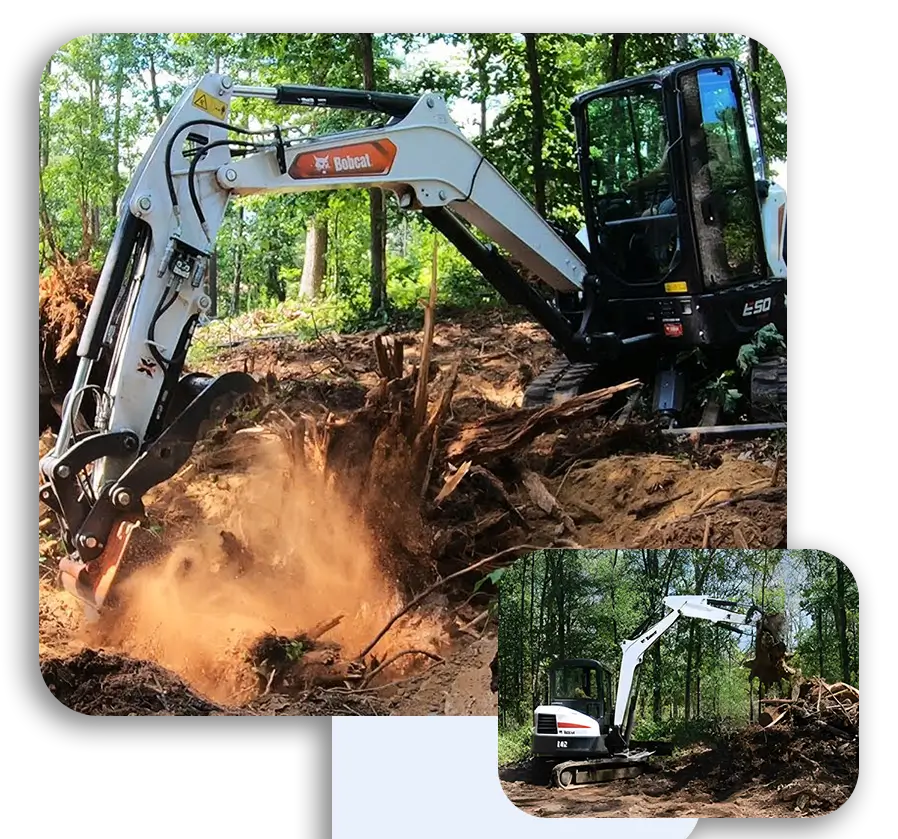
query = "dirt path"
x=783 y=772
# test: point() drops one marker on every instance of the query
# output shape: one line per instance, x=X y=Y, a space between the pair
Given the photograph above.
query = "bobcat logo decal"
x=372 y=157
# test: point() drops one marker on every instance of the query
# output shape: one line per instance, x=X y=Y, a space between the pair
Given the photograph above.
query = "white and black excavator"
x=684 y=247
x=579 y=735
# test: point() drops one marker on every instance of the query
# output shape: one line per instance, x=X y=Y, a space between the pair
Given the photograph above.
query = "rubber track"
x=559 y=382
x=608 y=769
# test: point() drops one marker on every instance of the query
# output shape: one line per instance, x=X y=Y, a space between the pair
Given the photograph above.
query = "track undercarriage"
x=564 y=379
x=576 y=773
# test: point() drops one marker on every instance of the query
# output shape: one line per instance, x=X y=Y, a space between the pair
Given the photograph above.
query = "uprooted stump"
x=287 y=664
x=770 y=662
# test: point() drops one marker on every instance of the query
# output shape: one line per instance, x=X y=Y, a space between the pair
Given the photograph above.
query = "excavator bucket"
x=90 y=581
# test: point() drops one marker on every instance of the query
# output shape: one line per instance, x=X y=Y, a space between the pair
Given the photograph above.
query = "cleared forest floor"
x=787 y=771
x=299 y=530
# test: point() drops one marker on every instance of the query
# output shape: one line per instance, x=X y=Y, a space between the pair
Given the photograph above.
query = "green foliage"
x=765 y=342
x=514 y=744
x=294 y=650
x=722 y=391
x=102 y=96
x=693 y=684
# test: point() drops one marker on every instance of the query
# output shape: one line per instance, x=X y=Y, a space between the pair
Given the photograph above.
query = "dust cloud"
x=280 y=553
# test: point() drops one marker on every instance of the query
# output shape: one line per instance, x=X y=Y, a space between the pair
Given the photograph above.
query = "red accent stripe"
x=572 y=725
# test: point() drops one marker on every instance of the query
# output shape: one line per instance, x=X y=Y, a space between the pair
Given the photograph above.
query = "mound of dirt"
x=104 y=684
x=96 y=682
x=805 y=769
x=459 y=686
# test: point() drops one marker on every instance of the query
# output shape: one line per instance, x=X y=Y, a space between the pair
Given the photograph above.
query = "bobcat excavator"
x=580 y=734
x=683 y=248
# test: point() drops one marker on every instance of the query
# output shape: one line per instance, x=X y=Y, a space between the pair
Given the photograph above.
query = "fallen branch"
x=719 y=490
x=547 y=502
x=432 y=588
x=504 y=433
x=452 y=483
x=325 y=626
x=390 y=660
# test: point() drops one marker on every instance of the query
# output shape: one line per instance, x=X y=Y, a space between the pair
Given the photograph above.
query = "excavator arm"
x=634 y=650
x=151 y=294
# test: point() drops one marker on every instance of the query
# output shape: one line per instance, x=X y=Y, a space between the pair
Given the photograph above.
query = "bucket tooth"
x=90 y=581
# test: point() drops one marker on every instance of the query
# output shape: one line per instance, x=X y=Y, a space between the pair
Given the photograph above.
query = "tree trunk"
x=314 y=261
x=698 y=673
x=539 y=123
x=117 y=136
x=652 y=563
x=154 y=91
x=481 y=62
x=559 y=570
x=377 y=213
x=615 y=63
x=45 y=116
x=687 y=699
x=820 y=659
x=754 y=69
x=520 y=684
x=238 y=264
x=842 y=622
x=682 y=43
x=711 y=243
x=531 y=639
x=44 y=146
x=613 y=593
x=542 y=612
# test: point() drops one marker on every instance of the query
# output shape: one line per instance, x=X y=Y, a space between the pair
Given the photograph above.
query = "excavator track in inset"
x=768 y=391
x=577 y=773
x=560 y=381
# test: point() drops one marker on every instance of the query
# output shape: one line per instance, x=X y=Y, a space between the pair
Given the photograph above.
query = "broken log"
x=504 y=433
x=544 y=499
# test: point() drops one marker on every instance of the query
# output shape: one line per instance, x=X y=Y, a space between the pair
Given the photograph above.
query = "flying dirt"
x=313 y=518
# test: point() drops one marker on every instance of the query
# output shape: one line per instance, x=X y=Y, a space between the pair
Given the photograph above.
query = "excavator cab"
x=583 y=685
x=685 y=234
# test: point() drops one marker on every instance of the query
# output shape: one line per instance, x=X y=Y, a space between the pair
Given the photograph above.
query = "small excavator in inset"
x=579 y=736
x=683 y=249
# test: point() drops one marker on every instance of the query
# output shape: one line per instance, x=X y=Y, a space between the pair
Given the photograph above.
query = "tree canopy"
x=582 y=604
x=102 y=96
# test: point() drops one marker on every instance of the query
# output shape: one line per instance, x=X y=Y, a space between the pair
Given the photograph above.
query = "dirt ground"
x=316 y=505
x=778 y=773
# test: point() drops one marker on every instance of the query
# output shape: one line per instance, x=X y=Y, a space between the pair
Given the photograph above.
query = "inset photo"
x=678 y=683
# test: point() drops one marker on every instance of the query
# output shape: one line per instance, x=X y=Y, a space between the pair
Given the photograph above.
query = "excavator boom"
x=151 y=294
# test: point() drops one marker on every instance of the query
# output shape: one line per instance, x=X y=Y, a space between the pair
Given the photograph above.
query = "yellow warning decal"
x=208 y=103
x=675 y=288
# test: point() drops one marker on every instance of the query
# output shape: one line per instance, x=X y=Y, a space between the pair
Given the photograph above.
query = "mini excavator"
x=684 y=247
x=580 y=735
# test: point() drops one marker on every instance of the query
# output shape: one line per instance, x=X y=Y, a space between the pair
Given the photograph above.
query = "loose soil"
x=318 y=503
x=780 y=772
